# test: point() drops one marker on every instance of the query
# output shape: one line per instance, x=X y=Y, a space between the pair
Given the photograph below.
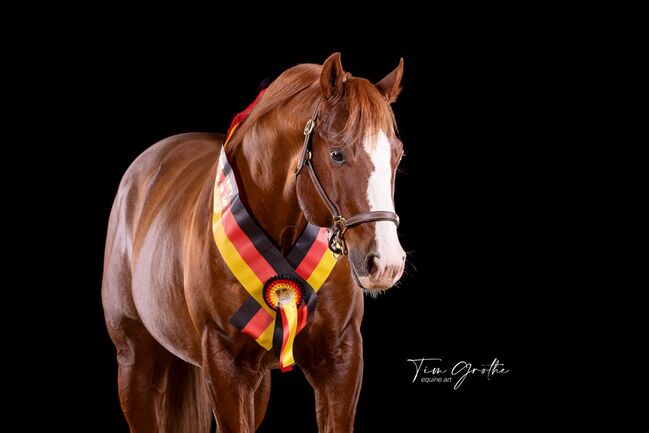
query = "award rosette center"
x=283 y=290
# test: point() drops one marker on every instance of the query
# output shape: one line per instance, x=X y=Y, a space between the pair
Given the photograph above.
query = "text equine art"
x=224 y=261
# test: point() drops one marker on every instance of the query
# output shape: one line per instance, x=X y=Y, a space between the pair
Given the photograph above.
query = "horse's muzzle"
x=375 y=271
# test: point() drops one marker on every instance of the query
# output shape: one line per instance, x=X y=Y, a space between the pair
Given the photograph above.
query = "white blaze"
x=379 y=195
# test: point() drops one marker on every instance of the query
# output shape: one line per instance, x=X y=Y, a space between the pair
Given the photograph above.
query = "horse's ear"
x=390 y=86
x=332 y=77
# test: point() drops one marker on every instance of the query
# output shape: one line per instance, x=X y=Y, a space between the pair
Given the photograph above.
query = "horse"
x=168 y=295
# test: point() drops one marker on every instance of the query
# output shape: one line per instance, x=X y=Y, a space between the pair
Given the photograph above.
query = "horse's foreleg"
x=231 y=387
x=142 y=368
x=336 y=380
x=262 y=395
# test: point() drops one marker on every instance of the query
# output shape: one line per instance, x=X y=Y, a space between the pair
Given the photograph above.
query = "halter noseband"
x=340 y=224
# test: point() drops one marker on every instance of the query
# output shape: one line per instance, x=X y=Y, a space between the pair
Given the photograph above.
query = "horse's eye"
x=337 y=156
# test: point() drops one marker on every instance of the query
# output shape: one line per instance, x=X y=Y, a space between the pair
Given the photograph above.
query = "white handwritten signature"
x=461 y=370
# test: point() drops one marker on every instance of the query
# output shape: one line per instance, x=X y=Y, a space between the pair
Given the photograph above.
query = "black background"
x=489 y=200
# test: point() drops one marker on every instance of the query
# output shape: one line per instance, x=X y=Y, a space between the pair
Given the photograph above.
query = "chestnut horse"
x=168 y=294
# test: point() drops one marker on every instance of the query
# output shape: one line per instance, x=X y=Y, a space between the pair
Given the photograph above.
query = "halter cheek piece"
x=340 y=224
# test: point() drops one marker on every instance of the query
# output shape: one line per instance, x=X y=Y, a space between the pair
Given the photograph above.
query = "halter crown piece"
x=283 y=289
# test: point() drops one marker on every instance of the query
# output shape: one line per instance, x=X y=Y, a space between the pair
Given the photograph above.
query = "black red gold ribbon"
x=256 y=263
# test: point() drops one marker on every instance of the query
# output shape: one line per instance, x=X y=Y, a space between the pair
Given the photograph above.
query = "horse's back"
x=160 y=194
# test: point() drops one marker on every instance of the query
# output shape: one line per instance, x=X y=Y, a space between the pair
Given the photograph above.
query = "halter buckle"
x=308 y=128
x=337 y=243
x=339 y=225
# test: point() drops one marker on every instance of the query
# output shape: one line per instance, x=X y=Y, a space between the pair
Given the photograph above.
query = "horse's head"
x=355 y=153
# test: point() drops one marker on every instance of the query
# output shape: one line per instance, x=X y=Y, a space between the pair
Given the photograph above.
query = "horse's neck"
x=264 y=167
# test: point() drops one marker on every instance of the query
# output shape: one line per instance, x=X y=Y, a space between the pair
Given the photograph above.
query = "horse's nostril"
x=372 y=263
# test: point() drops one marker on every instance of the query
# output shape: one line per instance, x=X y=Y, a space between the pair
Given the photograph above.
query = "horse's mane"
x=368 y=110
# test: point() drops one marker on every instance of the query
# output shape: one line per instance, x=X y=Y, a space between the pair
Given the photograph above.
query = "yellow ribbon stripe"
x=265 y=340
x=322 y=270
x=234 y=128
x=289 y=311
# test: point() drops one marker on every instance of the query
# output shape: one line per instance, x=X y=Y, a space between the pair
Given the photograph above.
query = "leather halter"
x=340 y=224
